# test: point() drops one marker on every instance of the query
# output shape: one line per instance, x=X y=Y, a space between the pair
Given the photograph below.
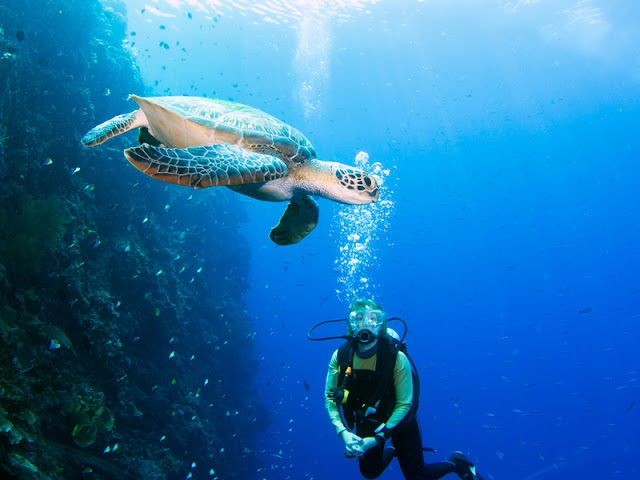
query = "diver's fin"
x=202 y=167
x=298 y=220
x=116 y=126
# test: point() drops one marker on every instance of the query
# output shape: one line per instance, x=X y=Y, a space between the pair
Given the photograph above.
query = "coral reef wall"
x=126 y=347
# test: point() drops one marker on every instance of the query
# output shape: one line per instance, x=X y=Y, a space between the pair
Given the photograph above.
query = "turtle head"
x=351 y=185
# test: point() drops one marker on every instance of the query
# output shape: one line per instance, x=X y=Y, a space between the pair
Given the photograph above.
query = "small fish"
x=54 y=344
x=212 y=472
x=146 y=219
x=206 y=382
x=190 y=197
x=162 y=438
x=171 y=340
x=167 y=208
x=96 y=243
x=113 y=207
x=88 y=187
x=171 y=355
x=189 y=15
x=107 y=450
x=133 y=34
x=106 y=92
x=135 y=339
x=118 y=303
x=182 y=269
x=192 y=357
x=189 y=476
x=157 y=312
x=306 y=385
x=584 y=311
x=158 y=273
x=173 y=382
x=75 y=170
x=162 y=27
x=199 y=270
x=48 y=161
x=127 y=248
x=87 y=471
x=193 y=464
x=192 y=279
x=115 y=447
x=20 y=35
x=633 y=404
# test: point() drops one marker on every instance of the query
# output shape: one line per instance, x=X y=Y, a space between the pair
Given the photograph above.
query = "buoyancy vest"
x=372 y=397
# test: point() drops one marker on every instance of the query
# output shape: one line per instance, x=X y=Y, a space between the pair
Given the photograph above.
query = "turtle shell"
x=181 y=122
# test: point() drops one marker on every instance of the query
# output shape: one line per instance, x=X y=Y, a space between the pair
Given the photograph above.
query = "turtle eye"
x=367 y=180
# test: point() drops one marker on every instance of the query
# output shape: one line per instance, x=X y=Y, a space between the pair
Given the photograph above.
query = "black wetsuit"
x=408 y=448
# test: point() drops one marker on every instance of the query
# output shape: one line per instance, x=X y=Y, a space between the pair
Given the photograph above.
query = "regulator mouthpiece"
x=366 y=336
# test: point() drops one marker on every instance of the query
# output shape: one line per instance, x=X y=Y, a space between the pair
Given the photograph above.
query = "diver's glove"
x=352 y=444
x=464 y=467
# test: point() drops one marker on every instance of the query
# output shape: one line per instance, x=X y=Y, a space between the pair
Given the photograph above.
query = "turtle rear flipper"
x=298 y=220
x=116 y=126
x=202 y=167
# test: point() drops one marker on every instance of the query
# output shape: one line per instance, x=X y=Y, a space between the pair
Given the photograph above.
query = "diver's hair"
x=363 y=303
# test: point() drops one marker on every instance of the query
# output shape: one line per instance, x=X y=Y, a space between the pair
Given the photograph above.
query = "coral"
x=13 y=432
x=28 y=230
x=85 y=434
x=25 y=350
x=90 y=423
x=21 y=463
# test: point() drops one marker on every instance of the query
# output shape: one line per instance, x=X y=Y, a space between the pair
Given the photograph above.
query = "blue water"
x=510 y=130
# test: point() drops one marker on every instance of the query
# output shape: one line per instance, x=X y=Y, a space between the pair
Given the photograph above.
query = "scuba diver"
x=372 y=385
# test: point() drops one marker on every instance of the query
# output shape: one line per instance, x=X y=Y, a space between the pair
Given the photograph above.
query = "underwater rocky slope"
x=126 y=348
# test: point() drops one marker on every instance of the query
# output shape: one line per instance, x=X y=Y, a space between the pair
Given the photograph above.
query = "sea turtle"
x=205 y=142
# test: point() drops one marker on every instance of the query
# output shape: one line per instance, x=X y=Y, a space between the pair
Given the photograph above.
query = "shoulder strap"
x=345 y=359
x=387 y=354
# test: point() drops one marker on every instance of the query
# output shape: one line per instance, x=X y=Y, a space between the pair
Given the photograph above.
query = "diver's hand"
x=352 y=444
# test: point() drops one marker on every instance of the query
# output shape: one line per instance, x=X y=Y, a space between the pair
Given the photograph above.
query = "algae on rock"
x=29 y=229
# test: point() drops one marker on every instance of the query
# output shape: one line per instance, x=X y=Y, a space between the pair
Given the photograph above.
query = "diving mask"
x=365 y=324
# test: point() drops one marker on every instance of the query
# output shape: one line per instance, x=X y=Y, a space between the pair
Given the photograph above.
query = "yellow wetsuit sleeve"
x=403 y=383
x=330 y=405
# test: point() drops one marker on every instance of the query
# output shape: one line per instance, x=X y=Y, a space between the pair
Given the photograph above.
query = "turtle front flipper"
x=202 y=167
x=116 y=126
x=299 y=219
